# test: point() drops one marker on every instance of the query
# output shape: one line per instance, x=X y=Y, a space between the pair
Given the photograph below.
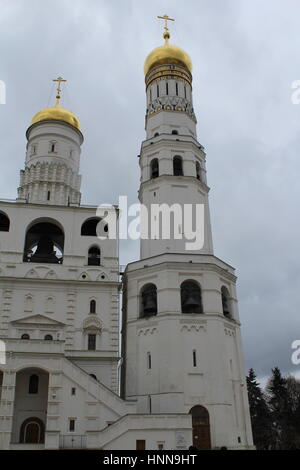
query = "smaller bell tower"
x=51 y=175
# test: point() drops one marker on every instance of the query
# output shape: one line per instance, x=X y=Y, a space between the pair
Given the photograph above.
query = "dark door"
x=201 y=427
x=140 y=444
x=32 y=433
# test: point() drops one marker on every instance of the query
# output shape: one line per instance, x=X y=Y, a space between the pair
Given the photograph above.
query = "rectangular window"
x=157 y=89
x=150 y=94
x=160 y=445
x=73 y=391
x=177 y=89
x=167 y=88
x=194 y=358
x=92 y=342
x=149 y=360
x=185 y=91
x=71 y=424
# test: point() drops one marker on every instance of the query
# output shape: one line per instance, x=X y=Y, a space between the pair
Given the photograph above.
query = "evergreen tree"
x=292 y=438
x=280 y=407
x=260 y=414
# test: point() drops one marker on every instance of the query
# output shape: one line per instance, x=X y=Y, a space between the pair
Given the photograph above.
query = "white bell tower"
x=181 y=330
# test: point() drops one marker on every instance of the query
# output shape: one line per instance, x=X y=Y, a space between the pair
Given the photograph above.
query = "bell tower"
x=172 y=161
x=181 y=330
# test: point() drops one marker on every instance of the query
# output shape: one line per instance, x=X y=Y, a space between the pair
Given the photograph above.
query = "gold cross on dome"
x=166 y=18
x=59 y=80
x=166 y=34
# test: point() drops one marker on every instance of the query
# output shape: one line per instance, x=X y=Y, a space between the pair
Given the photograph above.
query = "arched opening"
x=226 y=302
x=174 y=132
x=4 y=222
x=154 y=168
x=93 y=306
x=32 y=431
x=198 y=171
x=94 y=256
x=148 y=301
x=30 y=406
x=191 y=298
x=177 y=166
x=156 y=134
x=201 y=427
x=25 y=336
x=44 y=243
x=90 y=227
x=48 y=338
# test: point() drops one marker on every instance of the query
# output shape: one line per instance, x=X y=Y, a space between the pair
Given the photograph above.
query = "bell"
x=44 y=251
x=191 y=305
x=150 y=307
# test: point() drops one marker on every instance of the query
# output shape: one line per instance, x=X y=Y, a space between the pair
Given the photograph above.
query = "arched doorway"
x=201 y=427
x=32 y=431
x=30 y=406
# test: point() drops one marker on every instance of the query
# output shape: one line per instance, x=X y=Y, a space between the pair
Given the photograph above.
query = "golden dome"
x=167 y=54
x=56 y=114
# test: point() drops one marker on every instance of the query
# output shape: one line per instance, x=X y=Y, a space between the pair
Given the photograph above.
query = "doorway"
x=201 y=427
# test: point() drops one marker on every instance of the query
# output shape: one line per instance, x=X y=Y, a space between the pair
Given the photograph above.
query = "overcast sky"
x=245 y=57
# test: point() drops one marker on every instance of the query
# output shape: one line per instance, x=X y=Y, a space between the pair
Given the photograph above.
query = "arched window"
x=174 y=132
x=198 y=171
x=25 y=336
x=4 y=223
x=154 y=168
x=44 y=243
x=94 y=256
x=33 y=384
x=89 y=227
x=148 y=301
x=177 y=166
x=48 y=338
x=93 y=306
x=156 y=134
x=225 y=302
x=191 y=299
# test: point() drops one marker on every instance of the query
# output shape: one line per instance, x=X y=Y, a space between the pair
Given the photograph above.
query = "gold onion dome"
x=56 y=113
x=167 y=54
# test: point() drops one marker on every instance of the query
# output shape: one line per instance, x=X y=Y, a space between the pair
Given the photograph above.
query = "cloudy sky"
x=245 y=58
